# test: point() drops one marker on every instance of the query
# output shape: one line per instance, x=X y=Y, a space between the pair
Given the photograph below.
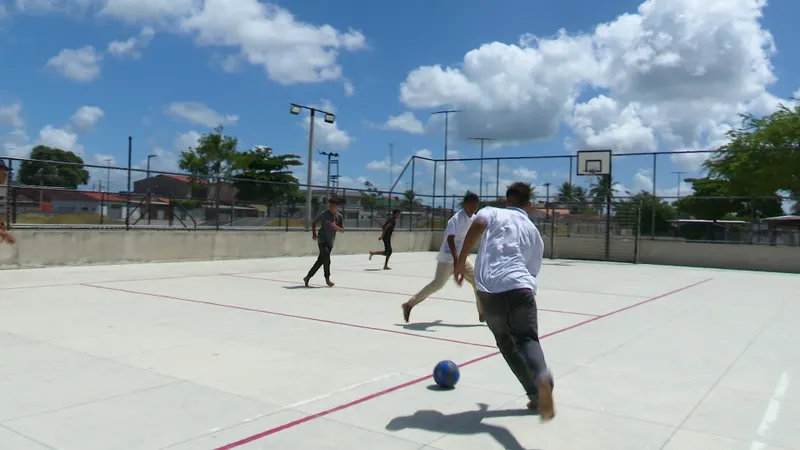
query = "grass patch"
x=65 y=219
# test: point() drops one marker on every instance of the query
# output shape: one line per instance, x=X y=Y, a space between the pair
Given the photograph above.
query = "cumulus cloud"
x=86 y=117
x=675 y=73
x=406 y=122
x=81 y=65
x=328 y=135
x=200 y=114
x=132 y=47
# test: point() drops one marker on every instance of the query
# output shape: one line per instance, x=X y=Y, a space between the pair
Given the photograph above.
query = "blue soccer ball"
x=446 y=374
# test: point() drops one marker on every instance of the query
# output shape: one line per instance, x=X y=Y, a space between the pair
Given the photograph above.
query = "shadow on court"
x=424 y=326
x=302 y=287
x=463 y=423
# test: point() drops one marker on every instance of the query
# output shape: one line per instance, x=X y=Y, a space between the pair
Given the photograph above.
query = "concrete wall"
x=674 y=253
x=39 y=248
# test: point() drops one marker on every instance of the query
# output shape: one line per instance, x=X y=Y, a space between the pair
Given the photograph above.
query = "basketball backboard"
x=594 y=162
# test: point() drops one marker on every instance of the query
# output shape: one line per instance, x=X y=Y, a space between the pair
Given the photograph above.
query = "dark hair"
x=519 y=194
x=395 y=212
x=470 y=197
x=333 y=201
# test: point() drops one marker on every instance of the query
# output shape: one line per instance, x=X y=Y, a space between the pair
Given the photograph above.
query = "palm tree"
x=601 y=189
x=572 y=195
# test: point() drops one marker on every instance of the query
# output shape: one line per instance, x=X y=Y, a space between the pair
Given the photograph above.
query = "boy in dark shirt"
x=386 y=237
x=331 y=222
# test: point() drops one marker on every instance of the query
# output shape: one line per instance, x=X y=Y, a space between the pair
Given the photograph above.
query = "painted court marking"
x=384 y=392
x=291 y=316
x=772 y=411
x=377 y=291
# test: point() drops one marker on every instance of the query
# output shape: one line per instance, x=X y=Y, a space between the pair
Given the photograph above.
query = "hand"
x=380 y=238
x=458 y=272
x=314 y=237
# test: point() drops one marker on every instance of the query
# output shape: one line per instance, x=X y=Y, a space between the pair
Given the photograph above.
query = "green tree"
x=49 y=174
x=572 y=196
x=716 y=199
x=628 y=212
x=270 y=178
x=410 y=198
x=215 y=156
x=763 y=156
x=369 y=197
x=601 y=189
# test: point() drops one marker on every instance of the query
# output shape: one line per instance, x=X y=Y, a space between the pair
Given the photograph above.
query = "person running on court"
x=5 y=236
x=386 y=237
x=454 y=234
x=508 y=262
x=331 y=222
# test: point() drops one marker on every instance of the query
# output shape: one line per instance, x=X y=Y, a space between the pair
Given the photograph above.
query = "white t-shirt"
x=511 y=251
x=458 y=225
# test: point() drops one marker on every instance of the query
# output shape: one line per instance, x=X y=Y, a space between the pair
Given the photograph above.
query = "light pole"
x=482 y=139
x=108 y=173
x=446 y=113
x=328 y=182
x=149 y=157
x=329 y=118
x=679 y=182
x=547 y=200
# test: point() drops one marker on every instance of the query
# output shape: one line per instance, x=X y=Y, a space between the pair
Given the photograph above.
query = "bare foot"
x=371 y=255
x=329 y=283
x=306 y=280
x=406 y=311
x=387 y=268
x=481 y=318
x=546 y=407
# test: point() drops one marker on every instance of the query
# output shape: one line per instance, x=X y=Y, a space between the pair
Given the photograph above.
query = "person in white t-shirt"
x=454 y=234
x=508 y=262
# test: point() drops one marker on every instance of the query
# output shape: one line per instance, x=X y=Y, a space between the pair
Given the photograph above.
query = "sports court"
x=238 y=355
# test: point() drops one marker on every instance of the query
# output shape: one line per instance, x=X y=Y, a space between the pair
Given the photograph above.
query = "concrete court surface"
x=235 y=354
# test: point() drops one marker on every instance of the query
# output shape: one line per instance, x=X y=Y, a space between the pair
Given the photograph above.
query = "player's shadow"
x=463 y=423
x=300 y=286
x=425 y=326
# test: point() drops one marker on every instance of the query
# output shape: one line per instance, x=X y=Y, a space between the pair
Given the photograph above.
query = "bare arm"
x=451 y=243
x=6 y=236
x=473 y=234
x=314 y=229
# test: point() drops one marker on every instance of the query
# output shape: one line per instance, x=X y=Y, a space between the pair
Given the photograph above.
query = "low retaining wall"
x=673 y=253
x=40 y=248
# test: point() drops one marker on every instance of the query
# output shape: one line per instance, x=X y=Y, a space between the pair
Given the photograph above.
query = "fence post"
x=553 y=235
x=411 y=210
x=655 y=198
x=433 y=198
x=128 y=191
x=11 y=196
x=608 y=218
x=638 y=234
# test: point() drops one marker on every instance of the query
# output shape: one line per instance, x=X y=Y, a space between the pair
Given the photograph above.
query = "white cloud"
x=146 y=10
x=267 y=35
x=3 y=12
x=349 y=90
x=81 y=65
x=200 y=114
x=676 y=73
x=86 y=117
x=185 y=141
x=10 y=115
x=406 y=122
x=133 y=46
x=59 y=138
x=643 y=181
x=327 y=135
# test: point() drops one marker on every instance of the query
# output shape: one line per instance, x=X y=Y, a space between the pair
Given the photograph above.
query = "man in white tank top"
x=508 y=262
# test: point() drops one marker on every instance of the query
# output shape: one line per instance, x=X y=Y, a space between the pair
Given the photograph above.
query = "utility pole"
x=679 y=181
x=391 y=166
x=328 y=181
x=446 y=113
x=482 y=139
x=108 y=173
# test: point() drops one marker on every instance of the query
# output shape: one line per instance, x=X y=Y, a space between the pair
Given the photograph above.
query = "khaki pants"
x=444 y=271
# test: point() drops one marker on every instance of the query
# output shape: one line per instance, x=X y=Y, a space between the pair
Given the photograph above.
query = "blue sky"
x=626 y=75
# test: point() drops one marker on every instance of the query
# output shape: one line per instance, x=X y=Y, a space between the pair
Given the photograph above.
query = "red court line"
x=547 y=288
x=291 y=316
x=326 y=412
x=377 y=291
x=173 y=277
